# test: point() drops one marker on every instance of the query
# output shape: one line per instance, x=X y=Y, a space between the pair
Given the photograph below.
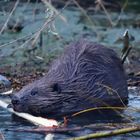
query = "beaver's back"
x=91 y=71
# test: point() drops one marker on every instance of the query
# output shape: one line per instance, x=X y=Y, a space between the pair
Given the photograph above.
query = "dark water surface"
x=7 y=121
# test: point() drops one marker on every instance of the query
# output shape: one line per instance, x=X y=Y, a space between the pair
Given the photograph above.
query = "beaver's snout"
x=15 y=100
x=16 y=103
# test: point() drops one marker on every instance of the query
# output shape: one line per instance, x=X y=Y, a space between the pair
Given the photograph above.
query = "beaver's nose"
x=15 y=100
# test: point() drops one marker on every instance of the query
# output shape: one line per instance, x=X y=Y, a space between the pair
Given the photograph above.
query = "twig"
x=126 y=46
x=103 y=108
x=125 y=42
x=122 y=9
x=52 y=18
x=108 y=133
x=97 y=108
x=5 y=24
x=36 y=35
x=41 y=29
x=109 y=89
x=107 y=14
x=16 y=40
x=84 y=12
x=126 y=54
x=55 y=10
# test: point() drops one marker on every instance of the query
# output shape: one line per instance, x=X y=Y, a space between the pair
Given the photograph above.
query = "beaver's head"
x=36 y=98
x=42 y=99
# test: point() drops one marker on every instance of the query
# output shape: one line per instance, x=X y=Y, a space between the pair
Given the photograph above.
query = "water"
x=7 y=121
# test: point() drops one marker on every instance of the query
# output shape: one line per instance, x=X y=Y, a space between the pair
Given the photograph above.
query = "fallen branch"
x=61 y=129
x=108 y=133
x=35 y=120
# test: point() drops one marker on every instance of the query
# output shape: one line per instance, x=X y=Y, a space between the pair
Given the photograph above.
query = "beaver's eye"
x=34 y=92
x=56 y=87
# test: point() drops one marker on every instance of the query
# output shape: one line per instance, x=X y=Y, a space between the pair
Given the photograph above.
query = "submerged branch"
x=108 y=133
x=62 y=129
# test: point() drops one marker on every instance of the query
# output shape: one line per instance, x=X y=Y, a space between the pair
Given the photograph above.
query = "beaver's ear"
x=56 y=87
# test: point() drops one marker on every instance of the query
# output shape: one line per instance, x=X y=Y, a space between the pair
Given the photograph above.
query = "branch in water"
x=108 y=133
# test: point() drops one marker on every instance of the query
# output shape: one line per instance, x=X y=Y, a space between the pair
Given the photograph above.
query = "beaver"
x=86 y=75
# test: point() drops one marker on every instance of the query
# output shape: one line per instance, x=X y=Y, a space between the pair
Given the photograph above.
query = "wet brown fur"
x=86 y=75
